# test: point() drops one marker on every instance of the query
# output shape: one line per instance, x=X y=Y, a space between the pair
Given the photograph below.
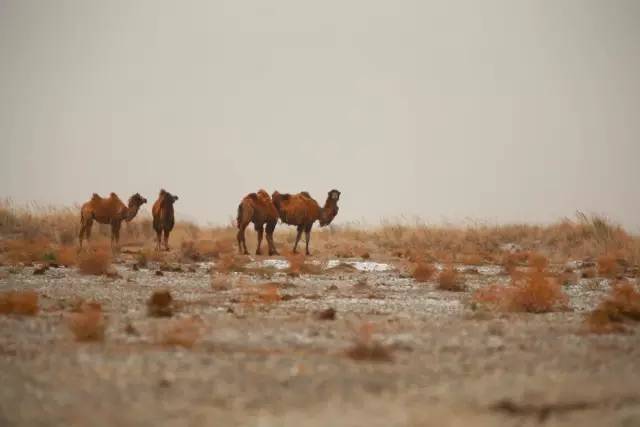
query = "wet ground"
x=262 y=356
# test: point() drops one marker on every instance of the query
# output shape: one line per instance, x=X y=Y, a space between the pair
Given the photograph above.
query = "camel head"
x=134 y=204
x=330 y=209
x=168 y=198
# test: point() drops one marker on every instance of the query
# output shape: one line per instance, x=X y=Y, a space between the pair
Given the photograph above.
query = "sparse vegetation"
x=182 y=332
x=160 y=304
x=423 y=272
x=365 y=347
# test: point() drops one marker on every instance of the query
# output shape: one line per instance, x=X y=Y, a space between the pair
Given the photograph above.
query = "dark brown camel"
x=163 y=217
x=108 y=210
x=302 y=211
x=258 y=209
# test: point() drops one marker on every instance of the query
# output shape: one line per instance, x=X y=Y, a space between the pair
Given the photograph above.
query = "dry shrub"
x=589 y=273
x=160 y=304
x=608 y=266
x=265 y=293
x=619 y=307
x=88 y=322
x=24 y=303
x=423 y=272
x=472 y=259
x=95 y=262
x=67 y=256
x=513 y=260
x=450 y=280
x=28 y=251
x=220 y=282
x=298 y=266
x=203 y=250
x=182 y=332
x=534 y=293
x=366 y=348
x=537 y=261
x=230 y=262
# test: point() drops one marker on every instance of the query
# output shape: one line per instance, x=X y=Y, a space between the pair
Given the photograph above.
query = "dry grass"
x=298 y=265
x=621 y=306
x=28 y=251
x=160 y=304
x=67 y=256
x=580 y=238
x=534 y=292
x=537 y=261
x=449 y=280
x=88 y=322
x=24 y=303
x=96 y=262
x=423 y=272
x=182 y=332
x=261 y=294
x=365 y=348
x=220 y=282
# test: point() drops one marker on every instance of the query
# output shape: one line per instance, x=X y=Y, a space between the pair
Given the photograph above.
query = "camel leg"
x=166 y=239
x=85 y=230
x=260 y=231
x=158 y=239
x=115 y=236
x=307 y=236
x=242 y=245
x=295 y=247
x=272 y=245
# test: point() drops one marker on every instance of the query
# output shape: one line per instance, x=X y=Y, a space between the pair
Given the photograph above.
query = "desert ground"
x=406 y=326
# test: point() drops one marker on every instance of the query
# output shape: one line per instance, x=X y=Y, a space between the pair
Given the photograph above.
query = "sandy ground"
x=277 y=364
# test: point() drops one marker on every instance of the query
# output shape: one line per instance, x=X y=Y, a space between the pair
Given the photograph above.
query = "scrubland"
x=398 y=324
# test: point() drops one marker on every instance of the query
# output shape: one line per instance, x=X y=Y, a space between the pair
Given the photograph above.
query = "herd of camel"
x=258 y=208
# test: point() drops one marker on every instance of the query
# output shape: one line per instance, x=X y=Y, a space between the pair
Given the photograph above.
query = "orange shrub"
x=182 y=332
x=608 y=266
x=28 y=251
x=449 y=280
x=537 y=261
x=230 y=262
x=423 y=272
x=88 y=323
x=366 y=348
x=23 y=303
x=160 y=304
x=533 y=293
x=96 y=262
x=67 y=256
x=621 y=305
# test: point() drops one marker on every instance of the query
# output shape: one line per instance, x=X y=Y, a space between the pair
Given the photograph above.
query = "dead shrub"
x=298 y=266
x=28 y=251
x=160 y=304
x=513 y=260
x=95 y=262
x=366 y=348
x=618 y=308
x=534 y=293
x=450 y=280
x=472 y=259
x=182 y=332
x=327 y=314
x=537 y=261
x=608 y=266
x=67 y=256
x=230 y=263
x=24 y=303
x=423 y=272
x=88 y=322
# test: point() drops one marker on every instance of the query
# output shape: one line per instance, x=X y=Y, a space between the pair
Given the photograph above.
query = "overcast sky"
x=497 y=111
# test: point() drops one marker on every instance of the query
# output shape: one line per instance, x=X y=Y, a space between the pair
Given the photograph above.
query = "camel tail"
x=239 y=217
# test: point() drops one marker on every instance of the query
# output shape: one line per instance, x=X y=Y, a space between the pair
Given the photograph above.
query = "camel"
x=163 y=218
x=302 y=211
x=108 y=210
x=258 y=209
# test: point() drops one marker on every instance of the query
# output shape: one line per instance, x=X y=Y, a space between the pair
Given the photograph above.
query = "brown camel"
x=163 y=217
x=302 y=211
x=258 y=209
x=108 y=210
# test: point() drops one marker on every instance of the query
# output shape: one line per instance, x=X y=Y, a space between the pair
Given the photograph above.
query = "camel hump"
x=113 y=195
x=162 y=192
x=305 y=194
x=253 y=196
x=95 y=196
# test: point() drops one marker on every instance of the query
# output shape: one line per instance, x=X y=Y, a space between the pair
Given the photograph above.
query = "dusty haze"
x=493 y=110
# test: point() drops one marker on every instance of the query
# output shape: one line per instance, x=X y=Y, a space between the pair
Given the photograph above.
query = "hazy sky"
x=491 y=110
